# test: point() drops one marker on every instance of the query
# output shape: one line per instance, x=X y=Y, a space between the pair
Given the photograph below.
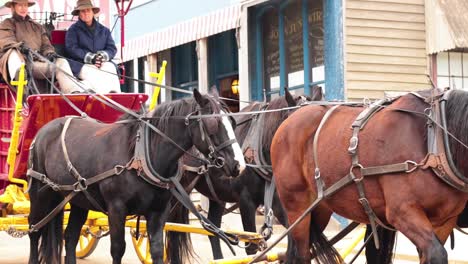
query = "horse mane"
x=273 y=120
x=457 y=125
x=161 y=116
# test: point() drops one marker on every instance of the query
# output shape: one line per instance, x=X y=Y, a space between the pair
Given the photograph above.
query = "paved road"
x=16 y=250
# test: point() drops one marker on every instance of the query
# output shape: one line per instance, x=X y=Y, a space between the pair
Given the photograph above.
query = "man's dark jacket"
x=81 y=43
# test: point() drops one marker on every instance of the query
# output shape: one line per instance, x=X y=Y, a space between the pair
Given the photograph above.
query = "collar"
x=20 y=18
x=83 y=24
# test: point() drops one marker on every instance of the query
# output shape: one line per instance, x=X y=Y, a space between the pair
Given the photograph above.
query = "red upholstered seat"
x=58 y=41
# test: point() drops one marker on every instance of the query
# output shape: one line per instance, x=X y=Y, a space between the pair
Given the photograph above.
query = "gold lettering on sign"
x=273 y=35
x=316 y=17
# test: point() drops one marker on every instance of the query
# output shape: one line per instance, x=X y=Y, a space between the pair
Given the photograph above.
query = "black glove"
x=23 y=48
x=52 y=56
x=97 y=58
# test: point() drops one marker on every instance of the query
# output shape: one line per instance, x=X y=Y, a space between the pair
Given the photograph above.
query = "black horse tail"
x=47 y=242
x=321 y=248
x=179 y=245
x=383 y=255
x=51 y=241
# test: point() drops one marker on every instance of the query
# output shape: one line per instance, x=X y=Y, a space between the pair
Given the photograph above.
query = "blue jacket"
x=81 y=44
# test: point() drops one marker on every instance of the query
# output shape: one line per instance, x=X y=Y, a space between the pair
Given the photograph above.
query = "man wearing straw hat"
x=19 y=35
x=90 y=48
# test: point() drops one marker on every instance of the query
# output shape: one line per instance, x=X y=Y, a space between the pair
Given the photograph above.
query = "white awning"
x=446 y=25
x=183 y=32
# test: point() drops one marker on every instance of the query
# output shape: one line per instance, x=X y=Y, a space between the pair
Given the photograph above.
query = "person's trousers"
x=101 y=80
x=43 y=70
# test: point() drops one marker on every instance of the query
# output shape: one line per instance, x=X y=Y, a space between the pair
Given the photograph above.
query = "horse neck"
x=271 y=124
x=245 y=121
x=164 y=154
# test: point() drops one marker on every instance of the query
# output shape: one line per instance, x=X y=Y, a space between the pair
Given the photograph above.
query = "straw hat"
x=84 y=4
x=10 y=3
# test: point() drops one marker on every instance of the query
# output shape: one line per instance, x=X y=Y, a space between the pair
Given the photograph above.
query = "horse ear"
x=201 y=100
x=289 y=98
x=316 y=93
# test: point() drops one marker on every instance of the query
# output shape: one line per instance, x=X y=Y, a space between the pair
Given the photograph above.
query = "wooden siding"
x=385 y=47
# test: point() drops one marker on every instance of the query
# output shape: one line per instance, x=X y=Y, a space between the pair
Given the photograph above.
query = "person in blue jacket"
x=90 y=49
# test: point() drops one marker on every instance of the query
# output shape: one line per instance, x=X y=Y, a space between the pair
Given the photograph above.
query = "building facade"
x=353 y=49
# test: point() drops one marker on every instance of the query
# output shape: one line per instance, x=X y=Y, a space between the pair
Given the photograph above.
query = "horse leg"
x=76 y=221
x=415 y=225
x=215 y=214
x=36 y=213
x=155 y=227
x=117 y=213
x=384 y=254
x=298 y=241
x=248 y=208
x=307 y=238
x=278 y=209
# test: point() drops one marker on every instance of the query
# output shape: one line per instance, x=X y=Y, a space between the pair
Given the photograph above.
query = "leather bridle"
x=214 y=157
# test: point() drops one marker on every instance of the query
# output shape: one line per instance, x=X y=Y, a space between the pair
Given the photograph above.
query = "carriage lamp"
x=235 y=86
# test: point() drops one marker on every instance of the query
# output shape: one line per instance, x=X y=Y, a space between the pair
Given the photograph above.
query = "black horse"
x=248 y=190
x=95 y=147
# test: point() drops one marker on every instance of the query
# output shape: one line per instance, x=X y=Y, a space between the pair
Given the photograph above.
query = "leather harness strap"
x=358 y=125
x=80 y=186
x=140 y=162
x=52 y=214
x=252 y=145
x=439 y=157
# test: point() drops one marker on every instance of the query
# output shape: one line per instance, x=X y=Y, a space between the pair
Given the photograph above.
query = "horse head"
x=214 y=136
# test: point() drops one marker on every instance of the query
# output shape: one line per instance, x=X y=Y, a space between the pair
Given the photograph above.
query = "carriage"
x=20 y=122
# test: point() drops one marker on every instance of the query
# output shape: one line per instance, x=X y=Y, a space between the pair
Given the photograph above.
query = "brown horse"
x=415 y=202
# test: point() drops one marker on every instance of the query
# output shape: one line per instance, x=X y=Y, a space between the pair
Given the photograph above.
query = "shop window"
x=452 y=70
x=141 y=74
x=184 y=68
x=287 y=60
x=223 y=65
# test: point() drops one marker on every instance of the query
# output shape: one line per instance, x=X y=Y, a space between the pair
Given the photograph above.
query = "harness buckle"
x=55 y=187
x=412 y=166
x=118 y=169
x=80 y=185
x=202 y=170
x=219 y=162
x=317 y=173
x=212 y=152
x=353 y=143
x=353 y=176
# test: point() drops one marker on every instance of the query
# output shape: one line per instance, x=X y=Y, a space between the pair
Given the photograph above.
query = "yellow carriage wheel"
x=141 y=246
x=87 y=243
